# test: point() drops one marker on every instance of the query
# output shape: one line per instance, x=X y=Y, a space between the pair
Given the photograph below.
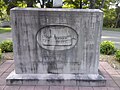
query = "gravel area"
x=111 y=60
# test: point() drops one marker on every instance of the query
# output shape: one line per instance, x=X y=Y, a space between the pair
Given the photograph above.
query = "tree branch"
x=102 y=5
x=92 y=4
x=80 y=4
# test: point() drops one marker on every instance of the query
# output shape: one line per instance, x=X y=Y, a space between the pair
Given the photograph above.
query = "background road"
x=106 y=35
x=5 y=36
x=113 y=36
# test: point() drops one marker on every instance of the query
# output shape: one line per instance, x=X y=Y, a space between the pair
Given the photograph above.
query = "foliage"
x=71 y=4
x=0 y=53
x=117 y=55
x=6 y=29
x=110 y=14
x=14 y=3
x=6 y=46
x=21 y=4
x=46 y=3
x=98 y=4
x=109 y=17
x=117 y=16
x=3 y=14
x=107 y=48
x=6 y=5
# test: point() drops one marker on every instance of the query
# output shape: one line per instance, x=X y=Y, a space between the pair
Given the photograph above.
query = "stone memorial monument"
x=56 y=47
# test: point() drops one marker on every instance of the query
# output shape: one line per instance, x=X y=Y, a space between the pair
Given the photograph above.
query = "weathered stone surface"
x=56 y=41
x=56 y=79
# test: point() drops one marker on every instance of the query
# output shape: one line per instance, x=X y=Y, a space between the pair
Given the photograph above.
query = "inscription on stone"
x=57 y=37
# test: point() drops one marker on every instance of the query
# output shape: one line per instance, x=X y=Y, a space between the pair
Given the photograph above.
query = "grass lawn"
x=5 y=29
x=111 y=29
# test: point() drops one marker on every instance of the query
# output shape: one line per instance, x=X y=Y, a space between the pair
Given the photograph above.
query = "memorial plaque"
x=56 y=47
x=57 y=37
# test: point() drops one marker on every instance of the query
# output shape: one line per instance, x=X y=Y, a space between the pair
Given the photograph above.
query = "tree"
x=3 y=7
x=14 y=3
x=26 y=3
x=118 y=14
x=46 y=3
x=92 y=4
x=109 y=18
x=111 y=15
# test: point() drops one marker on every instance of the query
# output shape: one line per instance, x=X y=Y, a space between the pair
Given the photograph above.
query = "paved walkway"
x=112 y=76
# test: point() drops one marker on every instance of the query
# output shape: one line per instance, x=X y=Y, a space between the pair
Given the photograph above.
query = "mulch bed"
x=6 y=56
x=111 y=60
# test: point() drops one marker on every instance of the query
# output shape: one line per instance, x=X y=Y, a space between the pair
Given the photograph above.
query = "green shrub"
x=6 y=46
x=117 y=55
x=107 y=48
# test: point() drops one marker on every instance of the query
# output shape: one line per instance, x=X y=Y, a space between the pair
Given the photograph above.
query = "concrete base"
x=56 y=79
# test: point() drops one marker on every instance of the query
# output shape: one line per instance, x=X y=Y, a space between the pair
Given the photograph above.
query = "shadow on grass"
x=5 y=29
x=111 y=29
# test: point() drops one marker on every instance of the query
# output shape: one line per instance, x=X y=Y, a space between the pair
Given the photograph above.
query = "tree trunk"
x=118 y=21
x=38 y=1
x=49 y=4
x=118 y=16
x=30 y=4
x=92 y=4
x=80 y=4
x=102 y=5
x=43 y=3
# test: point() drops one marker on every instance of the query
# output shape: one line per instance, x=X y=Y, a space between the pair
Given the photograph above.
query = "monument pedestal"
x=56 y=46
x=56 y=79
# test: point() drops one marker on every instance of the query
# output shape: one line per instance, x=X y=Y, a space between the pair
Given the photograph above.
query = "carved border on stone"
x=57 y=38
